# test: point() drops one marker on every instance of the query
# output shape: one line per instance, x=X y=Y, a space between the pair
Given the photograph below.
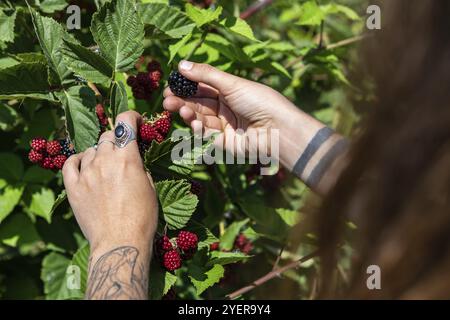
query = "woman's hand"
x=225 y=103
x=114 y=202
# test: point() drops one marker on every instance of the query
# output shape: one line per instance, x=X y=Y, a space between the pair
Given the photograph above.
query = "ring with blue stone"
x=124 y=134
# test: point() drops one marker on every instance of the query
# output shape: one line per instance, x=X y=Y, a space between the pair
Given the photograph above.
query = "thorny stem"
x=272 y=274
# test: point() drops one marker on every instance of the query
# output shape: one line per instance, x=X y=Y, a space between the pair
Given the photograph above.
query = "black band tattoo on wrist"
x=324 y=163
x=118 y=275
x=319 y=138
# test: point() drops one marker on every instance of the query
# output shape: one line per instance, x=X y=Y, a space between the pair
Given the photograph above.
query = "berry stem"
x=198 y=45
x=271 y=275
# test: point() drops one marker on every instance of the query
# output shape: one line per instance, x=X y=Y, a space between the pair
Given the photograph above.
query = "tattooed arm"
x=114 y=202
x=120 y=273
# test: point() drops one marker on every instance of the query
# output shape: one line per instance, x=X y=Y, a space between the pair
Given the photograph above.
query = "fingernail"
x=186 y=65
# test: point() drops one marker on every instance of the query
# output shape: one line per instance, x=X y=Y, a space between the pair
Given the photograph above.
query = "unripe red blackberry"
x=182 y=86
x=162 y=125
x=39 y=144
x=53 y=148
x=165 y=244
x=35 y=156
x=214 y=246
x=59 y=161
x=187 y=240
x=155 y=76
x=172 y=260
x=47 y=163
x=243 y=244
x=159 y=137
x=147 y=133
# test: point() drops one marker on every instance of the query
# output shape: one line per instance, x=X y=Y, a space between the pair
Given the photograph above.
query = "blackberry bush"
x=60 y=89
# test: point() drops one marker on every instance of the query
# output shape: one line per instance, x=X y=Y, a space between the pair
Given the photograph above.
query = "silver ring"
x=124 y=134
x=103 y=141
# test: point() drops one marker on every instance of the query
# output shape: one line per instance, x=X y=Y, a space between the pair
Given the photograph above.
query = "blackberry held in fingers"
x=182 y=86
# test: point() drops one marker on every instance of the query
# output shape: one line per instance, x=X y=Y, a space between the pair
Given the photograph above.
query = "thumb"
x=200 y=72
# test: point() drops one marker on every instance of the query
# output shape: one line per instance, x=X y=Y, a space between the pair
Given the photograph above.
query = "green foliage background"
x=44 y=70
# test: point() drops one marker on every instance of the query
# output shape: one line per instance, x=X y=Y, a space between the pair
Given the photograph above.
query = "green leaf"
x=50 y=6
x=7 y=23
x=223 y=258
x=38 y=175
x=174 y=48
x=42 y=203
x=62 y=197
x=19 y=232
x=81 y=260
x=230 y=234
x=333 y=8
x=25 y=80
x=311 y=14
x=166 y=19
x=119 y=32
x=239 y=27
x=290 y=217
x=160 y=281
x=202 y=278
x=53 y=275
x=177 y=202
x=226 y=48
x=119 y=99
x=82 y=123
x=9 y=198
x=158 y=159
x=11 y=167
x=202 y=16
x=86 y=63
x=51 y=35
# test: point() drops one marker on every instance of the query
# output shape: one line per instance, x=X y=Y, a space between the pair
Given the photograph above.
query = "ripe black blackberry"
x=182 y=86
x=66 y=148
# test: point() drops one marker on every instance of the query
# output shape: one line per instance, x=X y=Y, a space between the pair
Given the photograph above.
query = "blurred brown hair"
x=396 y=187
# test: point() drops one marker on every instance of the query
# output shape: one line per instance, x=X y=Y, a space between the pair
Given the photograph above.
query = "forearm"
x=311 y=151
x=119 y=272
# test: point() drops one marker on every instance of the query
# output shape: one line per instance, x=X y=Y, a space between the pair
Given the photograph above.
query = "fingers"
x=87 y=158
x=106 y=143
x=71 y=170
x=189 y=115
x=199 y=72
x=203 y=91
x=134 y=119
x=206 y=106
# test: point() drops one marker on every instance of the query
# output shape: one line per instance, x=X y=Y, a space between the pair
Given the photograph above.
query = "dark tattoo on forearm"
x=316 y=142
x=325 y=162
x=118 y=274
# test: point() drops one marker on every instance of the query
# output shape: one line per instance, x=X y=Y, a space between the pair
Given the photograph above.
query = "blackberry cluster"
x=241 y=243
x=145 y=83
x=50 y=155
x=173 y=252
x=156 y=128
x=182 y=86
